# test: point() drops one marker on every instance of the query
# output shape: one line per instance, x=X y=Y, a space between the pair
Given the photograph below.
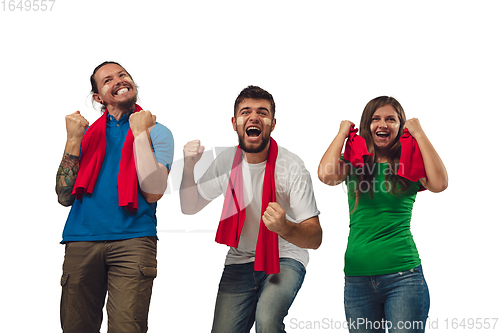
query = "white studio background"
x=322 y=61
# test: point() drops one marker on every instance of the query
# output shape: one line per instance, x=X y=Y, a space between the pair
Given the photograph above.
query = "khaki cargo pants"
x=124 y=270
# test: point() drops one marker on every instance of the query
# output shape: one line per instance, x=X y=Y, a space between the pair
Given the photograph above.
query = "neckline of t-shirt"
x=254 y=165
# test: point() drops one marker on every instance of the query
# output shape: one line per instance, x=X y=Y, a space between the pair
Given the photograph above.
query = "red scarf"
x=233 y=213
x=91 y=157
x=355 y=149
x=411 y=164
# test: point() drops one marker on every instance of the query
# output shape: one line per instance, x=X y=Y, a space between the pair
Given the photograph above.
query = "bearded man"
x=111 y=174
x=269 y=218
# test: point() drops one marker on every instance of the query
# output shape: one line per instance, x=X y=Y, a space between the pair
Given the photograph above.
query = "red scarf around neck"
x=91 y=157
x=233 y=213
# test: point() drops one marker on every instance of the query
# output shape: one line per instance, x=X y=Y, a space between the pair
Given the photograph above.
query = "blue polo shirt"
x=98 y=217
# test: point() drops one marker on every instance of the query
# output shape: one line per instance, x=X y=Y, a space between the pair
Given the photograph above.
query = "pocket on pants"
x=143 y=297
x=64 y=279
x=148 y=271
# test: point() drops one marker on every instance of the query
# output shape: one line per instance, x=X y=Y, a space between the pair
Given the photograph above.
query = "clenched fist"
x=141 y=121
x=76 y=125
x=275 y=218
x=192 y=152
x=413 y=126
x=345 y=128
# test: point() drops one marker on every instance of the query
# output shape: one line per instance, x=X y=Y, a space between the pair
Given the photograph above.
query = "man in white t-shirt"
x=247 y=293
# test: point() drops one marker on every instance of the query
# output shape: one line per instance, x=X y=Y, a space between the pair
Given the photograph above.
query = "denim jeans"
x=246 y=296
x=398 y=301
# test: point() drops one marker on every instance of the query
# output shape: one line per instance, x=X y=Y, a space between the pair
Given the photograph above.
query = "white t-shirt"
x=294 y=193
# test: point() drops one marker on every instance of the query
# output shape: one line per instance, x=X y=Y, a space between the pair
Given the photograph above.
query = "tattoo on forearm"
x=66 y=177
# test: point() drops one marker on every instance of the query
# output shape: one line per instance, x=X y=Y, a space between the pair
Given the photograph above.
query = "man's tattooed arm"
x=65 y=179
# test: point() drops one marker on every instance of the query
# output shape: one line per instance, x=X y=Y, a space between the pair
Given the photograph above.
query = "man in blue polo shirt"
x=112 y=174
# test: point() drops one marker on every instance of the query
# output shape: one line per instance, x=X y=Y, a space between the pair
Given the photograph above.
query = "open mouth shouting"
x=253 y=139
x=382 y=135
x=253 y=133
x=253 y=122
x=384 y=126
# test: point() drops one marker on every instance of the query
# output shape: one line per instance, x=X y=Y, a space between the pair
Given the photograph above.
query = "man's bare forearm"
x=152 y=175
x=188 y=192
x=191 y=200
x=65 y=179
x=70 y=164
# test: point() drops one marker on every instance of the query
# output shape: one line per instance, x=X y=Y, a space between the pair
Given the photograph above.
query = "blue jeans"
x=246 y=296
x=398 y=301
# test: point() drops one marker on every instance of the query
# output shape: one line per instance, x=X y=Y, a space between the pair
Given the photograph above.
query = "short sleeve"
x=214 y=181
x=302 y=200
x=290 y=170
x=163 y=144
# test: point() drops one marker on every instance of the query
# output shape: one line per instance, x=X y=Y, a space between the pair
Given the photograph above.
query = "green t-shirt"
x=380 y=240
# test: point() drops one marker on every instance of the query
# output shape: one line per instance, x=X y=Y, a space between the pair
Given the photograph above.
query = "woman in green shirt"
x=384 y=282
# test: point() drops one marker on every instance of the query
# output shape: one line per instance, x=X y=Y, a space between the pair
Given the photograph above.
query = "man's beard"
x=253 y=150
x=128 y=104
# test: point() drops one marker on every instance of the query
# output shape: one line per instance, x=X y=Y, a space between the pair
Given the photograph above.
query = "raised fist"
x=192 y=152
x=141 y=121
x=345 y=128
x=76 y=125
x=413 y=126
